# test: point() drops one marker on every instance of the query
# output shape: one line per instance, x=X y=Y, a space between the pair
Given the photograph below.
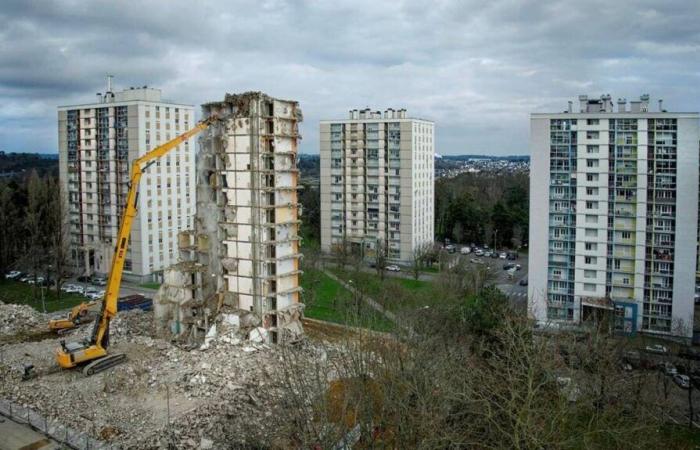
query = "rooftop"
x=605 y=105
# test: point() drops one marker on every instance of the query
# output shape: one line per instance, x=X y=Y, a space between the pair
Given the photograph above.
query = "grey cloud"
x=477 y=68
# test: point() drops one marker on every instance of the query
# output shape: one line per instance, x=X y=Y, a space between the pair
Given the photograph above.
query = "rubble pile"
x=221 y=395
x=20 y=319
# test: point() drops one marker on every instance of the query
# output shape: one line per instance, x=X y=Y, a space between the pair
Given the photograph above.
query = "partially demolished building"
x=241 y=260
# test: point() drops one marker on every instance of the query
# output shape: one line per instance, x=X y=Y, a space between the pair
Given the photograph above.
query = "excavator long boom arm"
x=109 y=306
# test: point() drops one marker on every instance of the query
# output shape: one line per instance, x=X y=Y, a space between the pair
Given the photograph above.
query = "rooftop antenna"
x=109 y=83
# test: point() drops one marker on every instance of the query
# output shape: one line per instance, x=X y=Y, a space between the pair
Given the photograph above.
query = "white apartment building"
x=97 y=144
x=377 y=183
x=614 y=215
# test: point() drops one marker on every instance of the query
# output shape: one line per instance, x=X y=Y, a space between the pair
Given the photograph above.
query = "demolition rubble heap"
x=225 y=394
x=16 y=319
x=239 y=266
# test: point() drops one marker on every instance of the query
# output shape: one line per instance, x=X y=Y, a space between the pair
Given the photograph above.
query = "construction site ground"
x=163 y=395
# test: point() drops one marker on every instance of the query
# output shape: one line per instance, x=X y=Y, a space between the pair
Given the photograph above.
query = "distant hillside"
x=309 y=165
x=491 y=157
x=16 y=164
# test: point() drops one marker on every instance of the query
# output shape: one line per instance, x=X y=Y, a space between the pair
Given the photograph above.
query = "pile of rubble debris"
x=20 y=319
x=223 y=394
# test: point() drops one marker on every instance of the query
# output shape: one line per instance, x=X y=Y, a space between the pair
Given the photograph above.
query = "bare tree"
x=381 y=257
x=36 y=224
x=58 y=234
x=418 y=260
x=341 y=252
x=452 y=388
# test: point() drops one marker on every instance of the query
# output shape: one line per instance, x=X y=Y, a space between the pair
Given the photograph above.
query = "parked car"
x=487 y=254
x=669 y=369
x=393 y=268
x=494 y=254
x=38 y=281
x=26 y=277
x=83 y=279
x=70 y=288
x=512 y=256
x=518 y=267
x=656 y=348
x=475 y=261
x=13 y=274
x=523 y=282
x=503 y=255
x=683 y=381
x=465 y=250
x=479 y=252
x=74 y=289
x=99 y=281
x=450 y=248
x=508 y=266
x=95 y=295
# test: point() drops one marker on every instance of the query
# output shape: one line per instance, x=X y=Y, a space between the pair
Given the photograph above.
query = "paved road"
x=16 y=436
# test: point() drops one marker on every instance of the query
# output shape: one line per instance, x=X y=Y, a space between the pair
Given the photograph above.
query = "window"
x=591 y=191
x=592 y=148
x=592 y=134
x=590 y=260
x=591 y=246
x=589 y=287
x=592 y=163
x=589 y=273
x=592 y=177
x=626 y=235
x=591 y=219
x=592 y=121
x=591 y=205
x=616 y=264
x=591 y=232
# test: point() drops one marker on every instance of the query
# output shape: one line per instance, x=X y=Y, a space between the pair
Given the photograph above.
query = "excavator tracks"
x=103 y=364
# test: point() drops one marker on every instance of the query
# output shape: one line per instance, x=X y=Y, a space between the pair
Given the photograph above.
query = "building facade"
x=97 y=144
x=377 y=183
x=243 y=252
x=614 y=215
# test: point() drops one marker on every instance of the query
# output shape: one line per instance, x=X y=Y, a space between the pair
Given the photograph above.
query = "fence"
x=52 y=428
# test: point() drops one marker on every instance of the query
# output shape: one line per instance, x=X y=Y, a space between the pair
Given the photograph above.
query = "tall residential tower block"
x=243 y=252
x=97 y=143
x=614 y=215
x=377 y=183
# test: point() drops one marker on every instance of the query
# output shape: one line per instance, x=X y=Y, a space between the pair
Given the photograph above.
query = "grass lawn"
x=155 y=286
x=327 y=300
x=388 y=290
x=680 y=436
x=431 y=269
x=27 y=294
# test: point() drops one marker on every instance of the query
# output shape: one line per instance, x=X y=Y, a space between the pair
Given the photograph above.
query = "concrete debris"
x=21 y=319
x=224 y=397
x=258 y=334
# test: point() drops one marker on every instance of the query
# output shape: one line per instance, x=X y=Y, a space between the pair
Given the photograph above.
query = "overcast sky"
x=477 y=68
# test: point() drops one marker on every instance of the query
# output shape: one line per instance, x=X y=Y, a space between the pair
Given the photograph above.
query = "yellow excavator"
x=77 y=315
x=92 y=353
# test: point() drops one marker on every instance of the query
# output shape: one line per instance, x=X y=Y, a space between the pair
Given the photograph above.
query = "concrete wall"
x=539 y=219
x=686 y=226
